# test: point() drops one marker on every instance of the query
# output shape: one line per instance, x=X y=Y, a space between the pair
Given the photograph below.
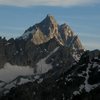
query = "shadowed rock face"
x=21 y=52
x=73 y=84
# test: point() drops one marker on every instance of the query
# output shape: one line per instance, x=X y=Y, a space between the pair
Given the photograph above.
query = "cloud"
x=63 y=3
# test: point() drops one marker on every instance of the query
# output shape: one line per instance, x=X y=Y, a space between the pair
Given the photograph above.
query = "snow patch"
x=87 y=86
x=22 y=81
x=68 y=79
x=40 y=80
x=76 y=56
x=76 y=93
x=7 y=43
x=26 y=34
x=95 y=64
x=36 y=77
x=10 y=72
x=80 y=75
x=42 y=67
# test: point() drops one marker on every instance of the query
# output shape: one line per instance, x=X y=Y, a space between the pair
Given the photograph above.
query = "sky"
x=83 y=16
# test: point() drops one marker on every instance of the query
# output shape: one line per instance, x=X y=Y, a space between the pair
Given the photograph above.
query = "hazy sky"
x=82 y=15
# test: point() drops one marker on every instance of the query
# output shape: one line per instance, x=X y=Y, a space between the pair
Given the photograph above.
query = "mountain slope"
x=80 y=82
x=46 y=47
x=45 y=35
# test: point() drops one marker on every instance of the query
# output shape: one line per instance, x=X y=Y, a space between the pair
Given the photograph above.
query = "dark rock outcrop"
x=73 y=84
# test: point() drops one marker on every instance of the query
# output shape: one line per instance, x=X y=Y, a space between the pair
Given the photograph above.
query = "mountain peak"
x=49 y=20
x=50 y=16
x=48 y=28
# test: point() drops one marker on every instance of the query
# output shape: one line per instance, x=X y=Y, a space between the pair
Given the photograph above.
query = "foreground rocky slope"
x=80 y=82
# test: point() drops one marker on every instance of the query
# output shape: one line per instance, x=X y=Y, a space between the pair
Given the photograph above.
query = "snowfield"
x=10 y=72
x=42 y=67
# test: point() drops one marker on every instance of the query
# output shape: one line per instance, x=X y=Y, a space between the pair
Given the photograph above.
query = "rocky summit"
x=48 y=29
x=48 y=62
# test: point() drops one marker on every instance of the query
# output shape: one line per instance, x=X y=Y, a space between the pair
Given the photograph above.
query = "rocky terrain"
x=37 y=42
x=48 y=62
x=80 y=82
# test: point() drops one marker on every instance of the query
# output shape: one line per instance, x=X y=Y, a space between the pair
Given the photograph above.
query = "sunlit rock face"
x=43 y=31
x=47 y=29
